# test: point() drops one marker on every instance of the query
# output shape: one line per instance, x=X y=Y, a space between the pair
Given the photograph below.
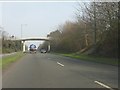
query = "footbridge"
x=33 y=39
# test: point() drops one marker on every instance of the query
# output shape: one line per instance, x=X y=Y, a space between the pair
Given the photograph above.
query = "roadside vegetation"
x=7 y=45
x=93 y=35
x=8 y=60
x=0 y=50
x=98 y=59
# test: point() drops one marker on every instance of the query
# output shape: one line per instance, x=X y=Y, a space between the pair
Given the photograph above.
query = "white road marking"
x=60 y=64
x=103 y=85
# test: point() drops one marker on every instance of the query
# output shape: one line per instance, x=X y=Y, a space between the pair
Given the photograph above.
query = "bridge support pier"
x=23 y=46
x=49 y=47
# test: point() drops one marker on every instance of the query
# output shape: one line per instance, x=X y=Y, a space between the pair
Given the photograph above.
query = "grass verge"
x=10 y=59
x=98 y=59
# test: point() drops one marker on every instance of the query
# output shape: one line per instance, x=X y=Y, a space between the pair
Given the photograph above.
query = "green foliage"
x=10 y=59
x=9 y=46
x=111 y=61
x=79 y=35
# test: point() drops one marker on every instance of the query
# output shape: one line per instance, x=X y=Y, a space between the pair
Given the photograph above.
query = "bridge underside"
x=35 y=39
x=23 y=41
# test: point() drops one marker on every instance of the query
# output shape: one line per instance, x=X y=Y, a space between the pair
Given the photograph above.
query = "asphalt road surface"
x=54 y=71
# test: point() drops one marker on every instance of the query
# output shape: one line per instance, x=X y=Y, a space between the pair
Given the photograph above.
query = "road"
x=54 y=71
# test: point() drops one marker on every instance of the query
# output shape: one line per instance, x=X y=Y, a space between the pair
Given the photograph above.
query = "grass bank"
x=11 y=59
x=98 y=59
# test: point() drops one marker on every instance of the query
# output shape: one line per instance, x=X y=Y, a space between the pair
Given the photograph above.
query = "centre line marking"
x=60 y=64
x=103 y=85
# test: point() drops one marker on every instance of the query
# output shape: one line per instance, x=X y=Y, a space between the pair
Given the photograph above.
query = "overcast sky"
x=0 y=14
x=41 y=17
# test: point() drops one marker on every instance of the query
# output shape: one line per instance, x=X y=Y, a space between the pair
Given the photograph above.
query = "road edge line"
x=106 y=86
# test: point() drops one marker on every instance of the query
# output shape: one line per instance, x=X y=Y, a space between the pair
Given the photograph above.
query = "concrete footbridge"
x=33 y=39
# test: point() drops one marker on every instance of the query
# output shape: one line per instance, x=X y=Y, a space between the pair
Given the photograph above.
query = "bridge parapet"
x=32 y=38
